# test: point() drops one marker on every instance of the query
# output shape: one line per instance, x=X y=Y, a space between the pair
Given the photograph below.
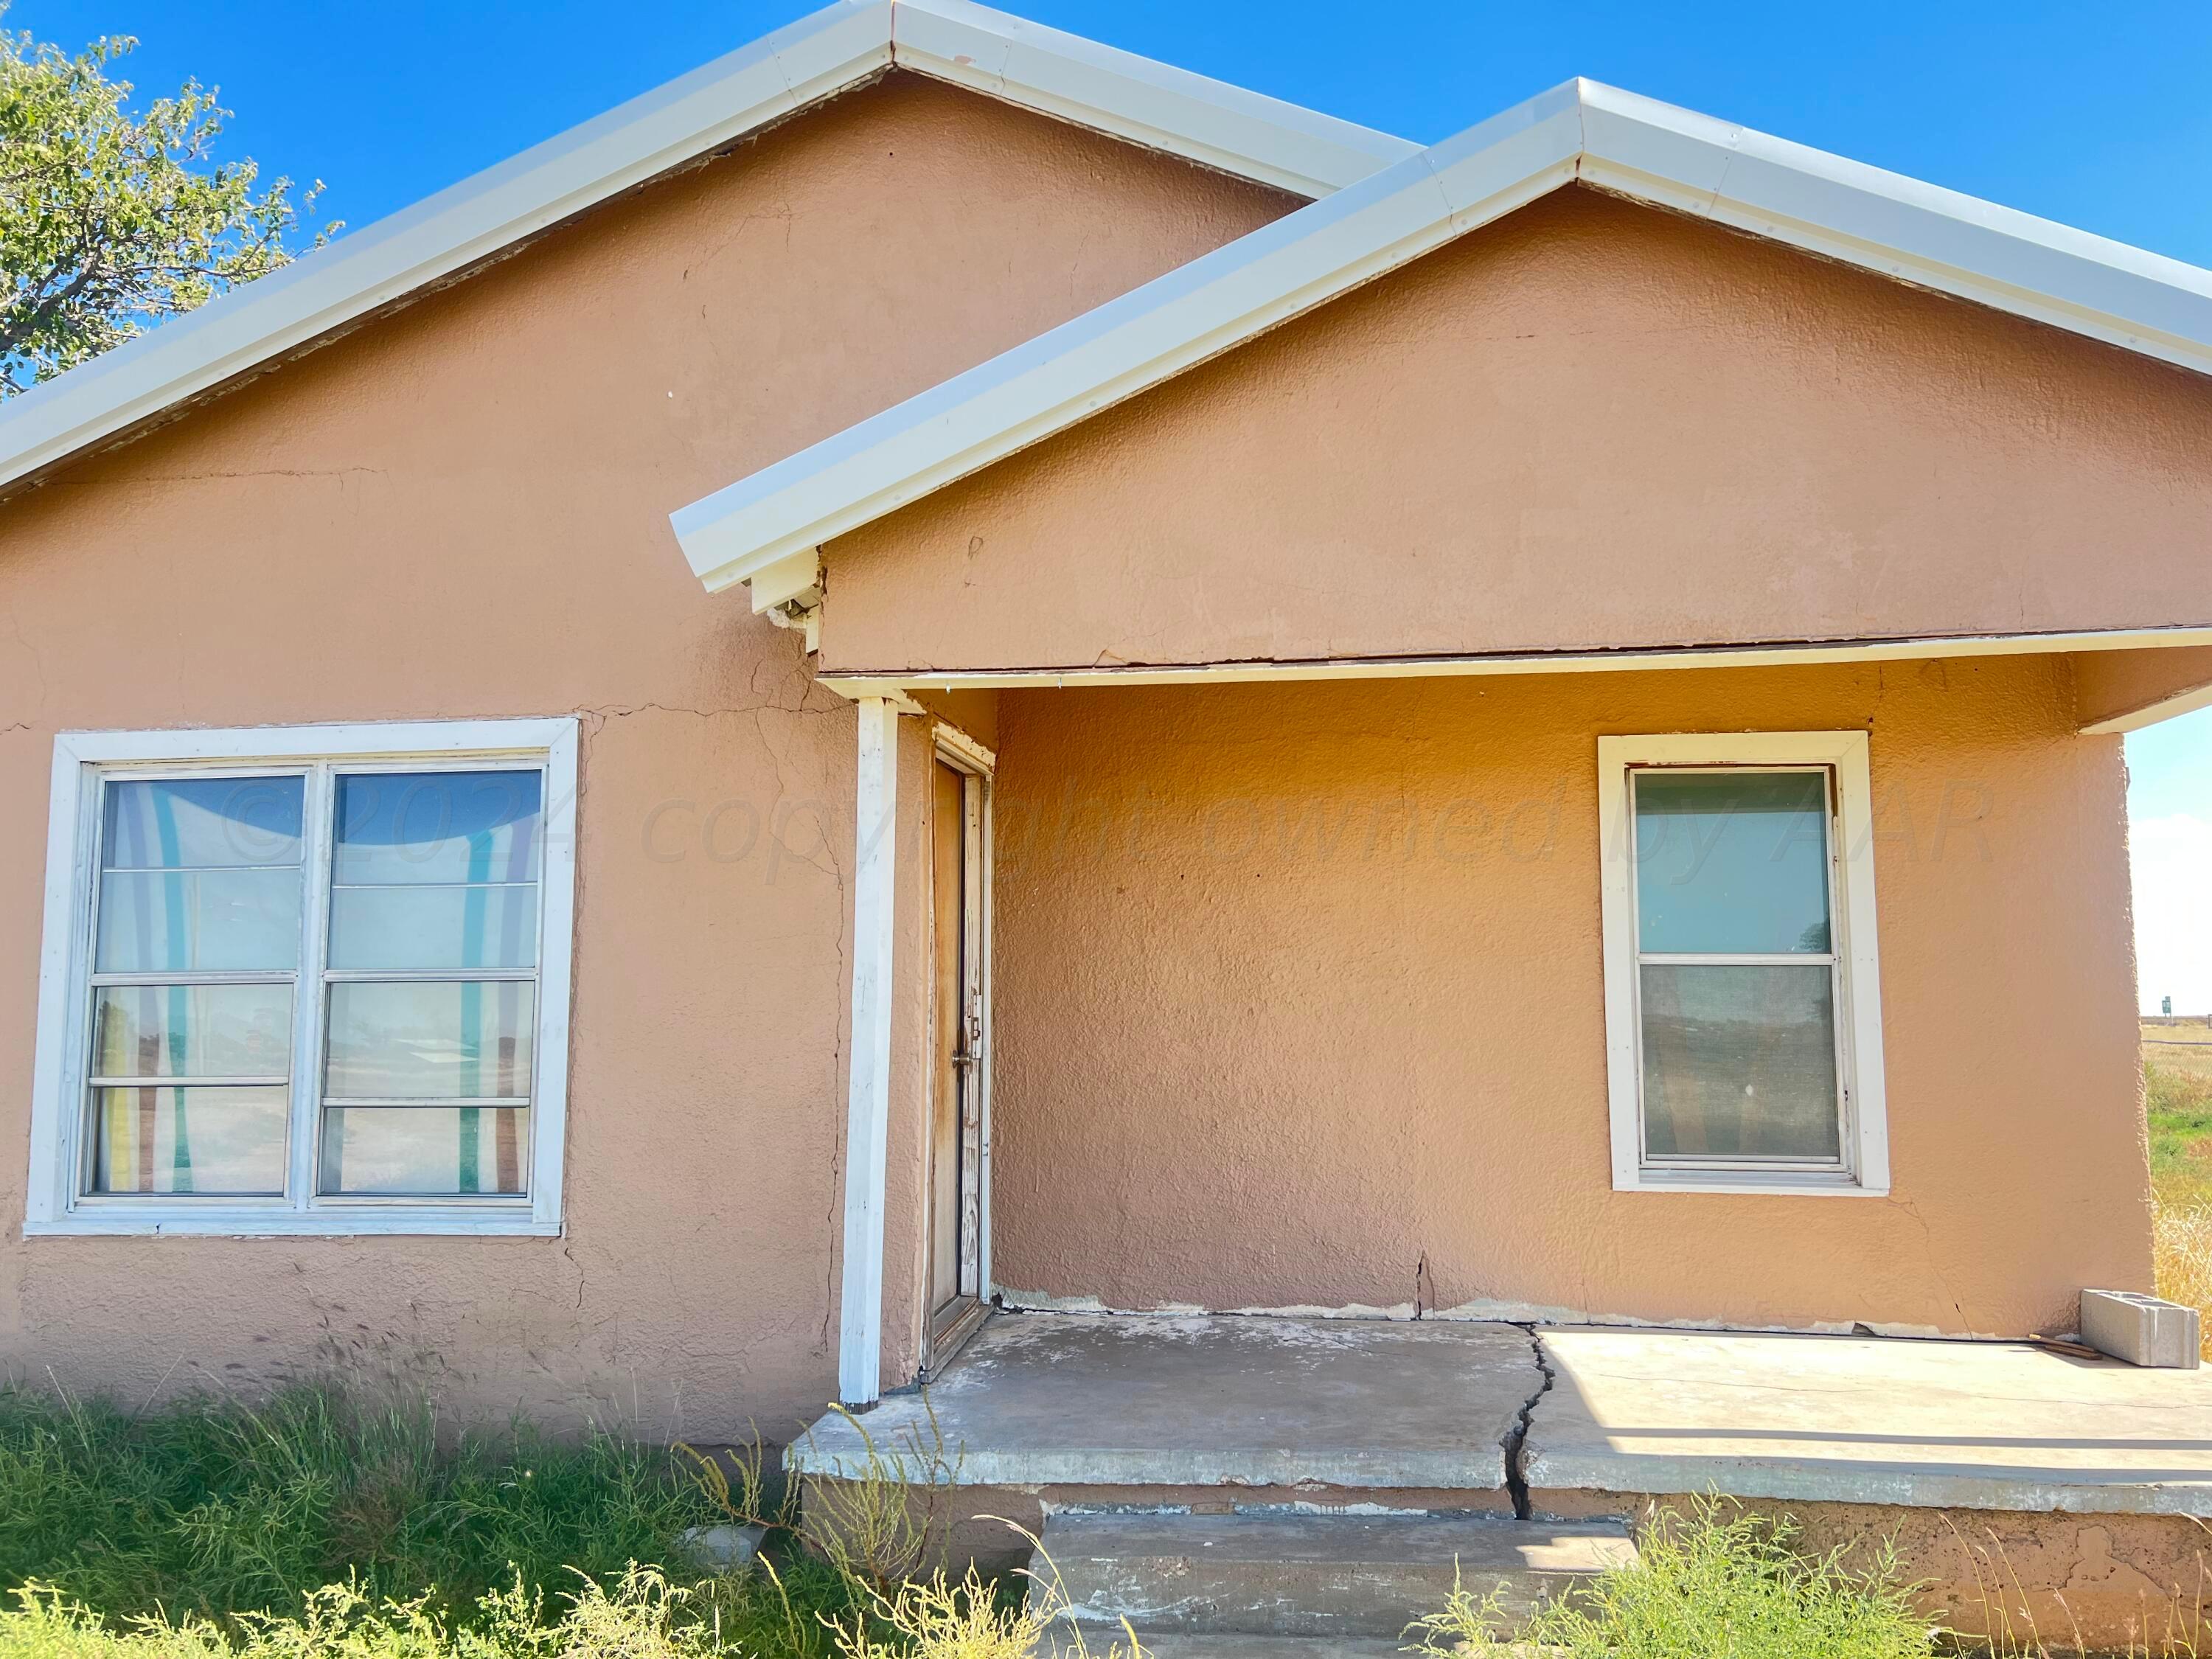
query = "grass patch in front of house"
x=330 y=1523
x=1717 y=1583
x=214 y=1508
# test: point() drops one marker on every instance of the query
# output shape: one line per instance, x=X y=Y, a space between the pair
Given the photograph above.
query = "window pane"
x=433 y=926
x=1732 y=861
x=426 y=1150
x=191 y=1030
x=208 y=1142
x=217 y=919
x=433 y=1041
x=437 y=826
x=199 y=823
x=1739 y=1062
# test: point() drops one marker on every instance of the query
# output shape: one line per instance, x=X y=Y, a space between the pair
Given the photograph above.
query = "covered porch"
x=2026 y=1485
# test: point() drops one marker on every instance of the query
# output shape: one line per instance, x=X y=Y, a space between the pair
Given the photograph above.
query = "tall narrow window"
x=195 y=965
x=1743 y=1027
x=432 y=983
x=319 y=991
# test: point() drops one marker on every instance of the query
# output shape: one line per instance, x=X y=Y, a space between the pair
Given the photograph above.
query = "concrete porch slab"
x=1087 y=1400
x=1979 y=1425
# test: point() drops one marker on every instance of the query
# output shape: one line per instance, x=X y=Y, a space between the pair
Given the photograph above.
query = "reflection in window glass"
x=1734 y=862
x=210 y=1142
x=426 y=1150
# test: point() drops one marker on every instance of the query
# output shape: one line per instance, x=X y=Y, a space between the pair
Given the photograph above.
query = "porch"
x=2023 y=1483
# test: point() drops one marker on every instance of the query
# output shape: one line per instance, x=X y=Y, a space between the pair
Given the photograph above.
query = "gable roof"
x=769 y=523
x=836 y=48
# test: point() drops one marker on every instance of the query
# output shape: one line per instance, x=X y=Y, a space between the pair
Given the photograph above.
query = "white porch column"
x=868 y=1104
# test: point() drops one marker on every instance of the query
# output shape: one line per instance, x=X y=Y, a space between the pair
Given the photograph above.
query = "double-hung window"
x=1743 y=1007
x=306 y=979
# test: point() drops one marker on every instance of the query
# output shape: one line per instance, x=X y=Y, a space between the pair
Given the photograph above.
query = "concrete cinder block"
x=2143 y=1330
x=725 y=1548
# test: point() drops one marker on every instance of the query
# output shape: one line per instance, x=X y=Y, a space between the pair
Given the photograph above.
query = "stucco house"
x=938 y=668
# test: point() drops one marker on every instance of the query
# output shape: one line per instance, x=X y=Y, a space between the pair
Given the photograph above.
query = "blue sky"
x=2098 y=116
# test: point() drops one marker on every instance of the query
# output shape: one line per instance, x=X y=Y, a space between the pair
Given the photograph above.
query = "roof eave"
x=1612 y=140
x=693 y=116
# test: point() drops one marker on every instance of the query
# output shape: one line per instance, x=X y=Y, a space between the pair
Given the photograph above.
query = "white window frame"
x=56 y=1203
x=1864 y=1168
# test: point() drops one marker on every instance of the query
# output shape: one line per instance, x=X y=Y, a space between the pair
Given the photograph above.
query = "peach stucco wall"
x=1300 y=1001
x=461 y=511
x=1589 y=425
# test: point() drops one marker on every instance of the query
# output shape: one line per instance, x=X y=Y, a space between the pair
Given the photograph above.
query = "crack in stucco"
x=1514 y=1444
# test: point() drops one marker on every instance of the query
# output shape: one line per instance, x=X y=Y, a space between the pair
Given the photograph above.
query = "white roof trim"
x=1895 y=226
x=1060 y=75
x=866 y=682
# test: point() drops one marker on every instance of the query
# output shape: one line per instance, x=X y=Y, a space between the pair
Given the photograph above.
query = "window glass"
x=396 y=827
x=208 y=1142
x=426 y=1150
x=433 y=875
x=203 y=823
x=1739 y=1062
x=434 y=927
x=191 y=1030
x=200 y=875
x=1734 y=861
x=424 y=1040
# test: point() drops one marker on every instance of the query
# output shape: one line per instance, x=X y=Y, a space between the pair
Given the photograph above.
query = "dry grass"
x=2183 y=1242
x=2178 y=1102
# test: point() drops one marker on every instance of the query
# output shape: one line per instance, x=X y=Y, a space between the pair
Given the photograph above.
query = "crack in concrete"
x=1516 y=1439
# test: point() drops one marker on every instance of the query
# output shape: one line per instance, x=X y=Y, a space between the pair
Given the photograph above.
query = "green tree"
x=112 y=219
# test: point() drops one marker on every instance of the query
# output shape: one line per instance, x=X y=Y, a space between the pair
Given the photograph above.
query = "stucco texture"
x=460 y=510
x=1589 y=425
x=1300 y=1002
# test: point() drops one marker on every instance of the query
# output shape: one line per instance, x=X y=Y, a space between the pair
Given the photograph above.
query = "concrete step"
x=1297 y=1574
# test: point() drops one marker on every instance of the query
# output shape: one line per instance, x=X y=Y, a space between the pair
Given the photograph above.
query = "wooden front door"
x=953 y=1272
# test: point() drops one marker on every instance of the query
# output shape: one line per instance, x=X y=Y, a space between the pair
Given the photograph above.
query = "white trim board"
x=54 y=1204
x=1616 y=141
x=867 y=1099
x=842 y=46
x=898 y=683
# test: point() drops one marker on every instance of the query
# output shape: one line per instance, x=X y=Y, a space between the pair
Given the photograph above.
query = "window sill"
x=380 y=1222
x=1779 y=1184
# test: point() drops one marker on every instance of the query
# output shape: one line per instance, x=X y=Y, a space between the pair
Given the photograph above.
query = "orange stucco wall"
x=1589 y=425
x=461 y=511
x=1300 y=1000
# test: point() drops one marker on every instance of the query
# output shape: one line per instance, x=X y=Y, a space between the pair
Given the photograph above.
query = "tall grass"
x=2182 y=1241
x=217 y=1507
x=1716 y=1583
x=2179 y=1105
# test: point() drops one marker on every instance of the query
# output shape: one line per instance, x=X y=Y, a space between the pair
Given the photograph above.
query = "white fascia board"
x=1613 y=140
x=896 y=682
x=1131 y=344
x=446 y=232
x=814 y=58
x=1898 y=227
x=1207 y=121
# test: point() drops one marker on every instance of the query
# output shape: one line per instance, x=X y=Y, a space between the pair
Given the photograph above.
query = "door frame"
x=954 y=748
